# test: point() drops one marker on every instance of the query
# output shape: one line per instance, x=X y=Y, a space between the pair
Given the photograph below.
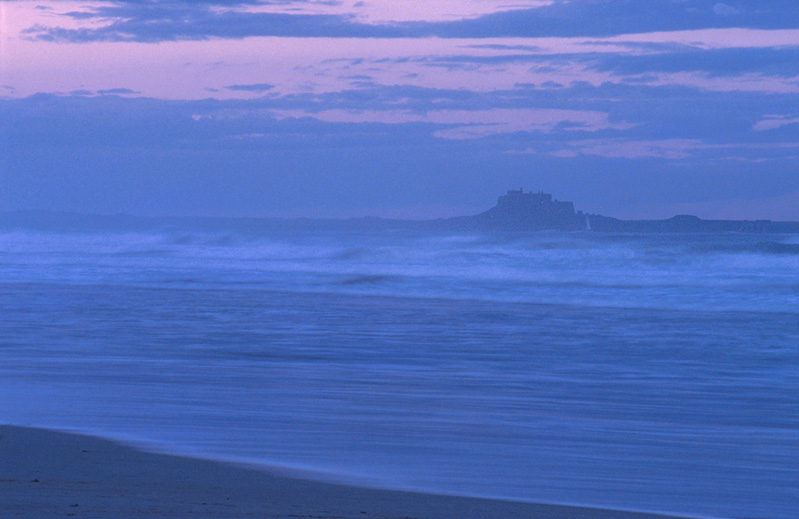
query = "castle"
x=530 y=211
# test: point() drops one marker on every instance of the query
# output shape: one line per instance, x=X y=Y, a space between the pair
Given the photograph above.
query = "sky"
x=399 y=108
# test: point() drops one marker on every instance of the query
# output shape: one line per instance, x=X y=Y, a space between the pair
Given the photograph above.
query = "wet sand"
x=46 y=473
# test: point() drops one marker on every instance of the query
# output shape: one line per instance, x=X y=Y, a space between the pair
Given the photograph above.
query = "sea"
x=623 y=371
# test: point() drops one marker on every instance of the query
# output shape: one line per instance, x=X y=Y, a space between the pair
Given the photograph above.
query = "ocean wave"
x=684 y=271
x=761 y=247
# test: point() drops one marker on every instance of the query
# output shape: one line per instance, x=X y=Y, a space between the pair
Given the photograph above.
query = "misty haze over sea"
x=653 y=372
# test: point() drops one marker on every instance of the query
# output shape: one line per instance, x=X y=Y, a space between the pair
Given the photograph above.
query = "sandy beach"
x=46 y=473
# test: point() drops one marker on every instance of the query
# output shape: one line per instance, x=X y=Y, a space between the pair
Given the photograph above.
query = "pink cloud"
x=188 y=69
x=382 y=11
x=390 y=11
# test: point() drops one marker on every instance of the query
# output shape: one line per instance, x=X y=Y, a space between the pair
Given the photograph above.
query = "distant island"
x=516 y=211
x=520 y=211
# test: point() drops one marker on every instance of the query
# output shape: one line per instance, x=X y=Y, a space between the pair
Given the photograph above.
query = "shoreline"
x=46 y=472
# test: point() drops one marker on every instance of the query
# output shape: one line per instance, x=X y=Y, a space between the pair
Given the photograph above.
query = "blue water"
x=638 y=372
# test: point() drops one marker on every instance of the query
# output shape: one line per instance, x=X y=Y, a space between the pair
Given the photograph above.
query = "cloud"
x=660 y=116
x=772 y=61
x=255 y=87
x=117 y=91
x=676 y=150
x=105 y=92
x=631 y=149
x=772 y=122
x=475 y=124
x=341 y=151
x=782 y=61
x=182 y=20
x=178 y=21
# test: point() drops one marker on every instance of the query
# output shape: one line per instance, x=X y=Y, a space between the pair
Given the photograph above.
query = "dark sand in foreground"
x=45 y=474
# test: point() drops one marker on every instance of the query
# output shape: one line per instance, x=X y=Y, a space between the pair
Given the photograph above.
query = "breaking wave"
x=670 y=271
